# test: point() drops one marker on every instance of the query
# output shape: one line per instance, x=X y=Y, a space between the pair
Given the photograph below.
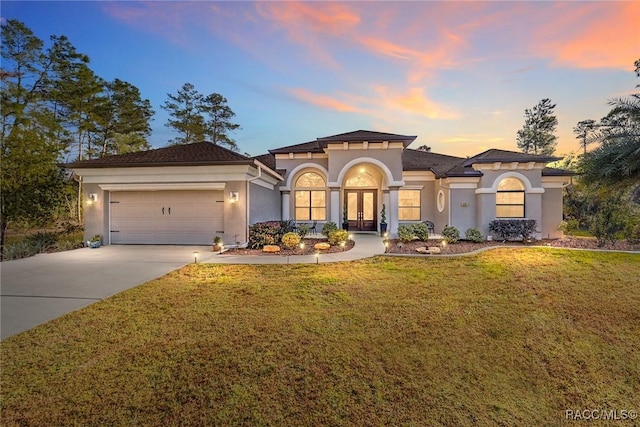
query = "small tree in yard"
x=609 y=222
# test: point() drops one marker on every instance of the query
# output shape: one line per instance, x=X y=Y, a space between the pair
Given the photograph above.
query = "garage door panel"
x=166 y=217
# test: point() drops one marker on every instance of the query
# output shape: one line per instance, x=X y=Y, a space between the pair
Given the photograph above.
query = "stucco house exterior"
x=187 y=194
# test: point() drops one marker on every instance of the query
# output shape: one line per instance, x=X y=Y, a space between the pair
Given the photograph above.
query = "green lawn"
x=507 y=337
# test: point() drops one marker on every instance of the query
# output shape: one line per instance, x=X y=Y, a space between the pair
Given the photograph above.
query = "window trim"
x=524 y=199
x=309 y=191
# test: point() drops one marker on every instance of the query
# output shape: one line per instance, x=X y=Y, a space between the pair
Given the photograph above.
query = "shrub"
x=513 y=229
x=328 y=228
x=405 y=233
x=303 y=230
x=450 y=234
x=265 y=233
x=609 y=222
x=569 y=226
x=19 y=249
x=291 y=240
x=67 y=245
x=632 y=230
x=338 y=236
x=69 y=227
x=474 y=235
x=421 y=231
x=286 y=226
x=42 y=241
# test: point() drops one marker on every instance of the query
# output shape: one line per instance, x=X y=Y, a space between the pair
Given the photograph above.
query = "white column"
x=285 y=205
x=392 y=212
x=335 y=206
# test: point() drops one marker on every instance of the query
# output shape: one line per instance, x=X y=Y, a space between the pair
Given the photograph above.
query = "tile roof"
x=557 y=172
x=305 y=147
x=198 y=153
x=320 y=144
x=367 y=135
x=495 y=155
x=439 y=164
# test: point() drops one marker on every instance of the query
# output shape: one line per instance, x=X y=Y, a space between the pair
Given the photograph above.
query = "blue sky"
x=459 y=75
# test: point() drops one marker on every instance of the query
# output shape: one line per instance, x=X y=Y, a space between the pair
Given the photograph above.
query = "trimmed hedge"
x=513 y=229
x=268 y=233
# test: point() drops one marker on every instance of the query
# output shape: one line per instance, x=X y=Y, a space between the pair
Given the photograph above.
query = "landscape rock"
x=322 y=246
x=271 y=248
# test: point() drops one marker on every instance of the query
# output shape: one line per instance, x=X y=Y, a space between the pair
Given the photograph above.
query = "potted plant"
x=217 y=244
x=383 y=220
x=345 y=221
x=95 y=241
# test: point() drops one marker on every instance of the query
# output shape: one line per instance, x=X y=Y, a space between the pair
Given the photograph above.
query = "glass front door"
x=361 y=209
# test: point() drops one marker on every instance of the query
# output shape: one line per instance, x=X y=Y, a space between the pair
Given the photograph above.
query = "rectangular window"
x=409 y=205
x=311 y=205
x=510 y=204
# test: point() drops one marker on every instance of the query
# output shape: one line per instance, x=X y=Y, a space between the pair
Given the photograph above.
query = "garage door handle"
x=169 y=211
x=163 y=210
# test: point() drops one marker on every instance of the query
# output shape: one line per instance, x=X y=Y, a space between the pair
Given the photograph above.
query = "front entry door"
x=361 y=209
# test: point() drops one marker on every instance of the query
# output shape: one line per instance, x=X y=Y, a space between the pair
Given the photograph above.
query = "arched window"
x=510 y=198
x=310 y=179
x=310 y=197
x=362 y=179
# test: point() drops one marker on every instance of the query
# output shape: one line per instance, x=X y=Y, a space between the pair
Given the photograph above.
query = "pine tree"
x=537 y=134
x=185 y=108
x=218 y=121
x=197 y=117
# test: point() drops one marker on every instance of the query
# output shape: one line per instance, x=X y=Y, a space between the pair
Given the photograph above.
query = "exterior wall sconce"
x=234 y=196
x=93 y=197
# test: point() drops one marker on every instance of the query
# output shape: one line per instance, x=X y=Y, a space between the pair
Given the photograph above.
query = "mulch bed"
x=462 y=246
x=308 y=249
x=397 y=247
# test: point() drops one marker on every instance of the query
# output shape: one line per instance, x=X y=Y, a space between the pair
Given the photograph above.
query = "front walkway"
x=366 y=245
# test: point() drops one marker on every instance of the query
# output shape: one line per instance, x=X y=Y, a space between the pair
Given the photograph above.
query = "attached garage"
x=177 y=195
x=166 y=217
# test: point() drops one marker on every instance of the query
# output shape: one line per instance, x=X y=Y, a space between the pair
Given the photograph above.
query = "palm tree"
x=617 y=158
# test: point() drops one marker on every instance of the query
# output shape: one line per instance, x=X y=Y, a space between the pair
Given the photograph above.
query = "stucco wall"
x=551 y=213
x=235 y=214
x=96 y=215
x=463 y=209
x=391 y=158
x=265 y=204
x=441 y=219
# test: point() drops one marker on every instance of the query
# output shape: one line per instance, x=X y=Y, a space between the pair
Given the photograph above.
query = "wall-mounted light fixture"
x=93 y=197
x=234 y=196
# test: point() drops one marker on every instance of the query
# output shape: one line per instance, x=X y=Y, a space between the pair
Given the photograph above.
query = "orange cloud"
x=309 y=23
x=611 y=38
x=415 y=102
x=323 y=101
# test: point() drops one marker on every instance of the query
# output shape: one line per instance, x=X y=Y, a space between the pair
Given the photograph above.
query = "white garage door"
x=166 y=217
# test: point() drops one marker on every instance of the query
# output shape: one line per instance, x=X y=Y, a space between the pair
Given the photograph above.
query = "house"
x=187 y=194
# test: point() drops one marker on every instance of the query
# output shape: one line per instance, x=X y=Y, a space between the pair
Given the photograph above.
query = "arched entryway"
x=361 y=197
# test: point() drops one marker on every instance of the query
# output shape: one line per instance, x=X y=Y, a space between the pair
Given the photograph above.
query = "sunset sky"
x=459 y=75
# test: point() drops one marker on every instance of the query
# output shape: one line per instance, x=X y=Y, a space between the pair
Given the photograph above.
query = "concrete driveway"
x=41 y=288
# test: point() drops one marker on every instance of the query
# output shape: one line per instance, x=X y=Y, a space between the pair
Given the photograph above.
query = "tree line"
x=54 y=108
x=604 y=198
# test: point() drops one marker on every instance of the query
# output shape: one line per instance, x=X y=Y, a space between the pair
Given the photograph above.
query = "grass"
x=506 y=337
